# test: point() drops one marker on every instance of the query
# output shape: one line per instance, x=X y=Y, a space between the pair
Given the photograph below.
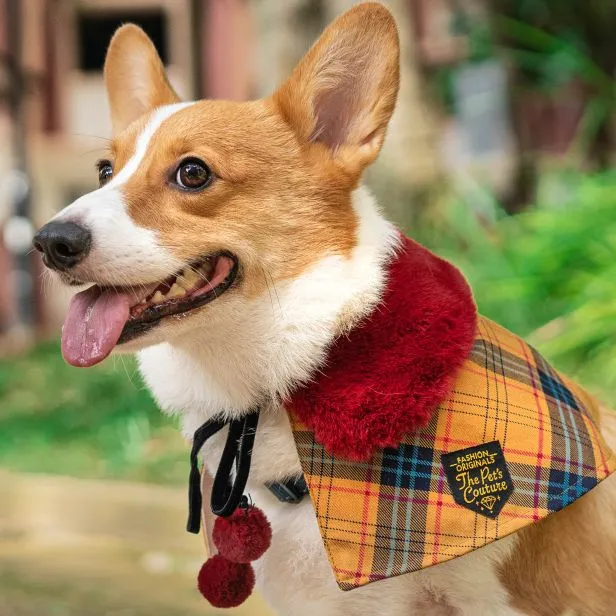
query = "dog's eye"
x=105 y=171
x=193 y=174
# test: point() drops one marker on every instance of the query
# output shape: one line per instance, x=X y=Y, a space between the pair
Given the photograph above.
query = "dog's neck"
x=260 y=349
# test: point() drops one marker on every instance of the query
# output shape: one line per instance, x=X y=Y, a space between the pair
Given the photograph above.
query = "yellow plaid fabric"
x=396 y=513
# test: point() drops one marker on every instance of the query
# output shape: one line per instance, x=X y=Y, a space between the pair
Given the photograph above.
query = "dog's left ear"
x=343 y=92
x=134 y=77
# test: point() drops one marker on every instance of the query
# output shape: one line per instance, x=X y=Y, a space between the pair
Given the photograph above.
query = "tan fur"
x=359 y=50
x=122 y=146
x=135 y=77
x=566 y=564
x=274 y=207
x=608 y=426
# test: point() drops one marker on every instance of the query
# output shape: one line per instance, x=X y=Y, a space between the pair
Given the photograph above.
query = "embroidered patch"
x=479 y=478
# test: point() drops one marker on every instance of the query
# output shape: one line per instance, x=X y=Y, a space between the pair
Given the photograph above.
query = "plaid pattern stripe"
x=395 y=513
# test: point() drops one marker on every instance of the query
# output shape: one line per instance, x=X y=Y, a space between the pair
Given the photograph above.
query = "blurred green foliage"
x=99 y=422
x=548 y=274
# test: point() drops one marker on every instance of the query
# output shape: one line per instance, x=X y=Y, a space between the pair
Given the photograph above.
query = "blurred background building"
x=499 y=157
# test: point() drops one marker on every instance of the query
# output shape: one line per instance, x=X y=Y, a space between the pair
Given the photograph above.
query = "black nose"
x=63 y=244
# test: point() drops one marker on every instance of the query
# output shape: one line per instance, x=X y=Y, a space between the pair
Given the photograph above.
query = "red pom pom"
x=244 y=536
x=225 y=584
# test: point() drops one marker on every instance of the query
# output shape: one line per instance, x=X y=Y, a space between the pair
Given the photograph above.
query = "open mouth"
x=196 y=285
x=100 y=318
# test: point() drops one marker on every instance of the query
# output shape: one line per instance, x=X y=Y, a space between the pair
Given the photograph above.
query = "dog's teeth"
x=158 y=298
x=189 y=279
x=175 y=291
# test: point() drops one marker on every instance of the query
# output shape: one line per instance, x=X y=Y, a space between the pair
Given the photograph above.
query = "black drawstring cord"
x=195 y=499
x=226 y=495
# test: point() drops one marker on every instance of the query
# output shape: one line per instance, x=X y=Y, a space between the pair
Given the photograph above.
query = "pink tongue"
x=93 y=325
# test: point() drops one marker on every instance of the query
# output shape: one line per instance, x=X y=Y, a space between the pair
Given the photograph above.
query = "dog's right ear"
x=134 y=77
x=342 y=94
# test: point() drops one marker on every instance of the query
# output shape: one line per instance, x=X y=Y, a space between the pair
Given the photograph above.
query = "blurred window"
x=95 y=29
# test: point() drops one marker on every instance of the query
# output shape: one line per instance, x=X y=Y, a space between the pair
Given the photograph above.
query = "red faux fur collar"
x=387 y=377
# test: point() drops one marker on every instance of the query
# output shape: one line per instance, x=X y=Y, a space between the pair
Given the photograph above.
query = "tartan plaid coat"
x=512 y=442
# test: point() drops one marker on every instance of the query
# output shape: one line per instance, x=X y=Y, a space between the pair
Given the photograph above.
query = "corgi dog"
x=230 y=244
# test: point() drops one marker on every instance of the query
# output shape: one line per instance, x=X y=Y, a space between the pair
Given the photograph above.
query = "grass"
x=548 y=274
x=97 y=423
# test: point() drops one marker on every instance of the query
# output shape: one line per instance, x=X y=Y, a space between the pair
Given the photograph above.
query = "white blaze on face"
x=122 y=253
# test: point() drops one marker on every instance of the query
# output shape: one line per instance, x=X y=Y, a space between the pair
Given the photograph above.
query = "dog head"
x=203 y=204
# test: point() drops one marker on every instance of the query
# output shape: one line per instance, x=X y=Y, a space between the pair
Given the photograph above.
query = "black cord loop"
x=226 y=493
